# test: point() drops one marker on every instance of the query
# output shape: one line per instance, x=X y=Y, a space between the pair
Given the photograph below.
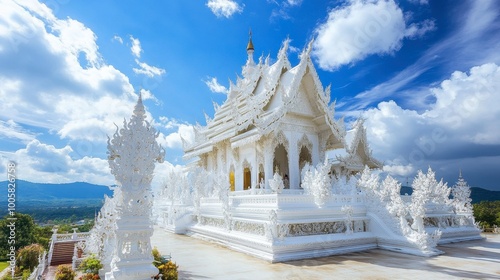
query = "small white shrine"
x=274 y=175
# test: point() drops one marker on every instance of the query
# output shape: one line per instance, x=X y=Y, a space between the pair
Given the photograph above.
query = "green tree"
x=43 y=235
x=487 y=213
x=24 y=232
x=27 y=257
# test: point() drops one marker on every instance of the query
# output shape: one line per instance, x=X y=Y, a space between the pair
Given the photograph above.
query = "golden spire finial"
x=250 y=44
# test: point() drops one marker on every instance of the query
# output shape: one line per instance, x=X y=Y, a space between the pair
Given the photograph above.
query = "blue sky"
x=424 y=74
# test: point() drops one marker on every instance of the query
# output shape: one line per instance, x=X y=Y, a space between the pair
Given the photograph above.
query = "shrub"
x=90 y=265
x=28 y=256
x=64 y=272
x=89 y=276
x=168 y=269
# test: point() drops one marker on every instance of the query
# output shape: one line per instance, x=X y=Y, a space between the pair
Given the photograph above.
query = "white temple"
x=277 y=118
x=277 y=177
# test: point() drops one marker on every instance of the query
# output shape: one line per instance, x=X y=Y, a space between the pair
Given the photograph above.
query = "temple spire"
x=139 y=107
x=250 y=49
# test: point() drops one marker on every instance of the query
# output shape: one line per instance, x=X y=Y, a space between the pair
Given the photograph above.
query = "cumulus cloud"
x=362 y=28
x=459 y=129
x=55 y=82
x=53 y=75
x=224 y=8
x=177 y=130
x=214 y=85
x=40 y=162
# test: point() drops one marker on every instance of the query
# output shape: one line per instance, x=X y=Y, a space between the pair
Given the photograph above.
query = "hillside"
x=34 y=195
x=477 y=194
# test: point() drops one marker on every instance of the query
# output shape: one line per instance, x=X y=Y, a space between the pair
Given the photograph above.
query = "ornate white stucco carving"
x=317 y=182
x=132 y=154
x=276 y=183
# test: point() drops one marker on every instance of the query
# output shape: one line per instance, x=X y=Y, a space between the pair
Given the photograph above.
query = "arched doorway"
x=231 y=178
x=304 y=158
x=280 y=161
x=261 y=174
x=247 y=176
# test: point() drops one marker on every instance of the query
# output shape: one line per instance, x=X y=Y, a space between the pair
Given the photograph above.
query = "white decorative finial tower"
x=250 y=49
x=133 y=152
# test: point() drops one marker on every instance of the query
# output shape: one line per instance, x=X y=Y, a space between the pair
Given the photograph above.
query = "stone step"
x=63 y=252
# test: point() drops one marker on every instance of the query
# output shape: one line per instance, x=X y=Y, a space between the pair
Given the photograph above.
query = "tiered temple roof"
x=257 y=102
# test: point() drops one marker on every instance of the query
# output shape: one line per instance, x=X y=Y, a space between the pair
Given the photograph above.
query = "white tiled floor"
x=198 y=259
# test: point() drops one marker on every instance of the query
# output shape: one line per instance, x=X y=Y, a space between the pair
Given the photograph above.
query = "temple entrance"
x=280 y=162
x=304 y=157
x=247 y=178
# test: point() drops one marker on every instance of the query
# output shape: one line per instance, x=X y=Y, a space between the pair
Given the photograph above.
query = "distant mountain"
x=477 y=194
x=28 y=191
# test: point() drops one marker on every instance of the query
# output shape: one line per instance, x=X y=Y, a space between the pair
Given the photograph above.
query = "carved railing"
x=336 y=200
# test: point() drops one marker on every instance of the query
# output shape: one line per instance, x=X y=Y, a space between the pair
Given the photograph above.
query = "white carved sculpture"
x=461 y=196
x=133 y=152
x=317 y=182
x=276 y=183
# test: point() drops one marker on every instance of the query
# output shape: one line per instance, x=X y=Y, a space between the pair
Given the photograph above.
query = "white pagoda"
x=274 y=175
x=277 y=118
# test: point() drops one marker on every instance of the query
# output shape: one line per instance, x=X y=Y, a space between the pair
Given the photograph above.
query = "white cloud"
x=173 y=140
x=362 y=28
x=417 y=30
x=224 y=8
x=12 y=130
x=421 y=2
x=118 y=39
x=399 y=170
x=460 y=129
x=148 y=95
x=474 y=42
x=136 y=47
x=294 y=2
x=144 y=68
x=214 y=85
x=53 y=76
x=148 y=70
x=282 y=11
x=55 y=82
x=40 y=162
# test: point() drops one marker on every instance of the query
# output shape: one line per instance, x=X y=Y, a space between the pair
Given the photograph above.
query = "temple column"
x=238 y=177
x=315 y=153
x=268 y=162
x=293 y=162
